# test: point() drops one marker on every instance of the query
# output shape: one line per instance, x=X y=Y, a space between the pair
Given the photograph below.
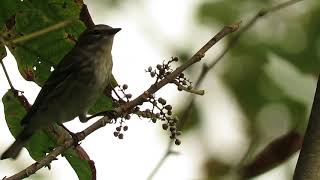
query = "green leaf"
x=243 y=75
x=227 y=11
x=40 y=143
x=256 y=82
x=104 y=103
x=223 y=11
x=83 y=167
x=299 y=43
x=35 y=57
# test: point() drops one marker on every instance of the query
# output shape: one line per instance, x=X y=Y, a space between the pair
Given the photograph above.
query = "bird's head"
x=98 y=34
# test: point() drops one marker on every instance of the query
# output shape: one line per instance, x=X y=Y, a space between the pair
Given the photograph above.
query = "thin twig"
x=159 y=164
x=206 y=68
x=40 y=32
x=125 y=107
x=193 y=91
x=3 y=55
x=7 y=75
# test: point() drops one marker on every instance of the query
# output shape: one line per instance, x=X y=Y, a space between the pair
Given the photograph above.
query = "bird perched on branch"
x=73 y=87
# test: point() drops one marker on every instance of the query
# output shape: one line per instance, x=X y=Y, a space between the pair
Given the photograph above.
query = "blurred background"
x=261 y=90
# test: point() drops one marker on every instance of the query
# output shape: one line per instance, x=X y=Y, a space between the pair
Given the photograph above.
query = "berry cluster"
x=161 y=111
x=164 y=69
x=182 y=82
x=121 y=99
x=118 y=132
x=161 y=70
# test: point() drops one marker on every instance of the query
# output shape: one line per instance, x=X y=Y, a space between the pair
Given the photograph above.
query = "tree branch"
x=309 y=162
x=85 y=16
x=125 y=107
x=206 y=68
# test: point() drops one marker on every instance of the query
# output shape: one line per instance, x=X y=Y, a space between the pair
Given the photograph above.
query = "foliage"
x=263 y=69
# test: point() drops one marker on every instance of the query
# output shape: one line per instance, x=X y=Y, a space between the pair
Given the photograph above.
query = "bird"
x=73 y=87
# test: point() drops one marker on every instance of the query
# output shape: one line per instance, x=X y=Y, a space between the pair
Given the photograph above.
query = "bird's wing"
x=70 y=64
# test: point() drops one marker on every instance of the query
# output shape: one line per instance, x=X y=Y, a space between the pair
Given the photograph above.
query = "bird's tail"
x=15 y=148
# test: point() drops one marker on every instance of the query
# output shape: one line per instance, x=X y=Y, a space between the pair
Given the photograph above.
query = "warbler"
x=72 y=88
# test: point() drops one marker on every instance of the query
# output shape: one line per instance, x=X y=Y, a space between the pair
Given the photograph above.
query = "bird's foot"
x=76 y=140
x=73 y=135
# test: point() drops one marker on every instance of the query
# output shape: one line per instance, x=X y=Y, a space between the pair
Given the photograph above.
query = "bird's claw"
x=73 y=135
x=76 y=140
x=112 y=114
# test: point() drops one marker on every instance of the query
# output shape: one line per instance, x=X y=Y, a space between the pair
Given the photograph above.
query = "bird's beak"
x=114 y=30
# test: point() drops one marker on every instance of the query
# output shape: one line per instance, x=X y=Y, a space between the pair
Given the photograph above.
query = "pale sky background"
x=135 y=48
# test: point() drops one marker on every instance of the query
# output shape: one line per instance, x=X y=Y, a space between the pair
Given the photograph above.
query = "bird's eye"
x=96 y=32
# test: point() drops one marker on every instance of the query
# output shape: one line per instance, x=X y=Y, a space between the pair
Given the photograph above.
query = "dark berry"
x=128 y=96
x=162 y=101
x=127 y=117
x=165 y=126
x=172 y=129
x=152 y=74
x=125 y=128
x=168 y=107
x=177 y=142
x=125 y=86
